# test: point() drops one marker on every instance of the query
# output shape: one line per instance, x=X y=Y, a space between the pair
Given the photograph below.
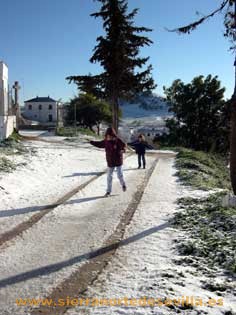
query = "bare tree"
x=228 y=7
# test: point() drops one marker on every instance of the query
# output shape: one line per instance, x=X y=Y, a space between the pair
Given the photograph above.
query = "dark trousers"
x=141 y=156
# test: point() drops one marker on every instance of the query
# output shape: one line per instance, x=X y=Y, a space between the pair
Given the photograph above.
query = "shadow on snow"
x=78 y=259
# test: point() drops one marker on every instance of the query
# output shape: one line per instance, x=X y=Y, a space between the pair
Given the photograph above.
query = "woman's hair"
x=141 y=136
x=110 y=132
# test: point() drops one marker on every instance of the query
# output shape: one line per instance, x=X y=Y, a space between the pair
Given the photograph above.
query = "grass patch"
x=211 y=231
x=202 y=170
x=71 y=132
x=14 y=137
x=166 y=148
x=6 y=165
x=12 y=145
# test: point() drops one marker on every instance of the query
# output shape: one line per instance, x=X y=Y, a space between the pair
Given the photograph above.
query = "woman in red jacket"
x=114 y=148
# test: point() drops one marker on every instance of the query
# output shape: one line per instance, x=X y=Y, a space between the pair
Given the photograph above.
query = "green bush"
x=6 y=165
x=202 y=170
x=72 y=132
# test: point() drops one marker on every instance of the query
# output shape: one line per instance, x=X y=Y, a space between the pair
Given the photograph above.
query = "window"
x=30 y=107
x=40 y=107
x=50 y=118
x=50 y=107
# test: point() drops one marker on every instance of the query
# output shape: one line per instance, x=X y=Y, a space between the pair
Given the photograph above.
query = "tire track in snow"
x=22 y=227
x=97 y=260
x=19 y=229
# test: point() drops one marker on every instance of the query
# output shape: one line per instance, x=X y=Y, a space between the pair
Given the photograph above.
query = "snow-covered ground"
x=50 y=251
x=34 y=264
x=32 y=133
x=46 y=175
x=144 y=267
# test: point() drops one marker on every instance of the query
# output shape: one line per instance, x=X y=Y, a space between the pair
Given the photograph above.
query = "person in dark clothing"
x=114 y=148
x=140 y=147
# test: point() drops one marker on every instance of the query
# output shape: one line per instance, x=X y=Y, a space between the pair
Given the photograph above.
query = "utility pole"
x=57 y=123
x=75 y=119
x=58 y=114
x=17 y=87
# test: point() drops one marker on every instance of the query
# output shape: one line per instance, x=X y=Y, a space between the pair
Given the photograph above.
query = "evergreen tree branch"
x=192 y=26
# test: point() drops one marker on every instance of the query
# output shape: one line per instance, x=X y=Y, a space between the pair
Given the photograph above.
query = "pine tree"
x=118 y=53
x=89 y=84
x=229 y=7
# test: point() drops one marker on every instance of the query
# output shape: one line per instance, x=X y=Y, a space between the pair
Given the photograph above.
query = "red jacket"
x=113 y=148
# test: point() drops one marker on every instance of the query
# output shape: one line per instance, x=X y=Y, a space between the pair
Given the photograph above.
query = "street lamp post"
x=16 y=87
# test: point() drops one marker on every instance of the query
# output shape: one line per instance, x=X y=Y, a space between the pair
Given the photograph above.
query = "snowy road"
x=49 y=251
x=145 y=266
x=49 y=173
x=70 y=237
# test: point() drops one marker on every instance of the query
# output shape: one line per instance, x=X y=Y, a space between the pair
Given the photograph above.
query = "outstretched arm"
x=148 y=146
x=98 y=144
x=132 y=143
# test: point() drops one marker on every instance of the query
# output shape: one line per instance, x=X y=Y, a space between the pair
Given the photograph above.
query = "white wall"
x=7 y=125
x=41 y=115
x=3 y=89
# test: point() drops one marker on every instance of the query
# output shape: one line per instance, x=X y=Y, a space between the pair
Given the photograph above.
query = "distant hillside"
x=151 y=102
x=145 y=106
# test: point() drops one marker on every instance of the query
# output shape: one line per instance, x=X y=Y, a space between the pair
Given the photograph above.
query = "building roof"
x=40 y=100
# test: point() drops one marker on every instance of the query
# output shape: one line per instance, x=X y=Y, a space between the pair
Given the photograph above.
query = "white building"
x=7 y=122
x=150 y=132
x=41 y=109
x=3 y=89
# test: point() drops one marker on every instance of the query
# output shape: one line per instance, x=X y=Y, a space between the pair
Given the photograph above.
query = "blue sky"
x=44 y=41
